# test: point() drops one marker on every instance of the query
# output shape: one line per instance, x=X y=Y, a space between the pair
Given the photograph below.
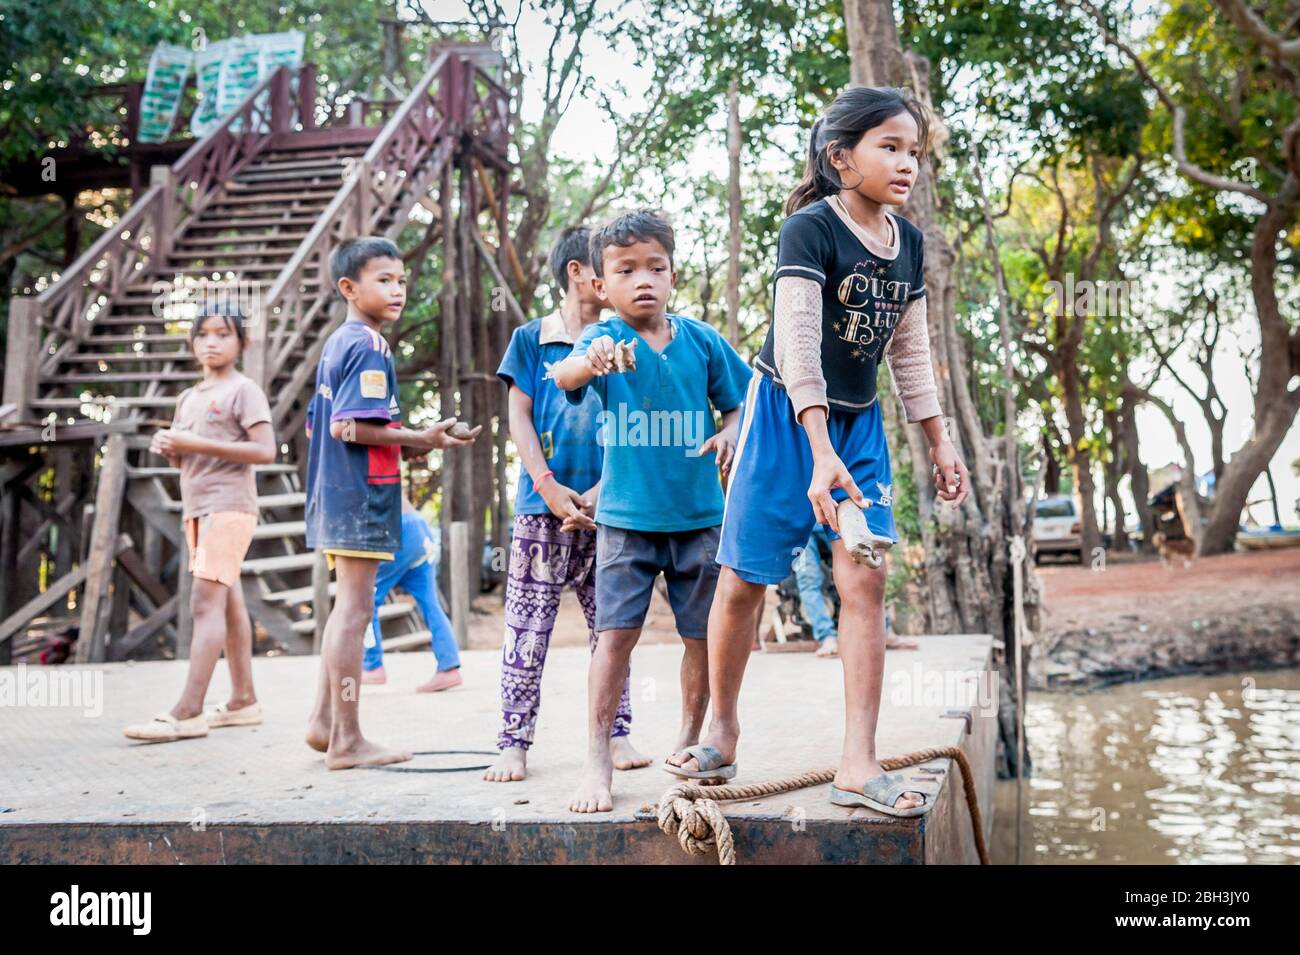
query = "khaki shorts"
x=218 y=543
x=332 y=552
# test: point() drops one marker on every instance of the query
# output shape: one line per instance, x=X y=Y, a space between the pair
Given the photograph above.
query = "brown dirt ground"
x=1079 y=597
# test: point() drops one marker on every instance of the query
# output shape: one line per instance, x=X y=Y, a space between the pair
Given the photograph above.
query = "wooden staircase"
x=250 y=214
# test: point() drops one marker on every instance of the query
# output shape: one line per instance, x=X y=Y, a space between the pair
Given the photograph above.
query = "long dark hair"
x=856 y=110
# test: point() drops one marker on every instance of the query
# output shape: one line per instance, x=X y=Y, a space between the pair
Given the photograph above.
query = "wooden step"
x=407 y=641
x=245 y=238
x=276 y=259
x=295 y=163
x=129 y=356
x=399 y=608
x=180 y=339
x=281 y=529
x=272 y=177
x=253 y=218
x=287 y=499
x=59 y=404
x=122 y=377
x=300 y=184
x=316 y=197
x=278 y=565
x=297 y=595
x=152 y=472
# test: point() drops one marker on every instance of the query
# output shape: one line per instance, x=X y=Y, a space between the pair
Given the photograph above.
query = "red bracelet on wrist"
x=538 y=482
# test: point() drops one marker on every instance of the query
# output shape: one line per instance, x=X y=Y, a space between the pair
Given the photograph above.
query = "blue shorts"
x=627 y=563
x=768 y=517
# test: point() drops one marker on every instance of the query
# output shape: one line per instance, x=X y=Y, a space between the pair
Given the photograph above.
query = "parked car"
x=1056 y=528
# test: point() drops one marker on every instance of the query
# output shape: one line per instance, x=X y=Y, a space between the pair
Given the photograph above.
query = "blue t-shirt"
x=354 y=491
x=653 y=420
x=566 y=431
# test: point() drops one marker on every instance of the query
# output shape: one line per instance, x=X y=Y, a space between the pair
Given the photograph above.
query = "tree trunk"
x=1113 y=469
x=1139 y=483
x=1276 y=403
x=733 y=210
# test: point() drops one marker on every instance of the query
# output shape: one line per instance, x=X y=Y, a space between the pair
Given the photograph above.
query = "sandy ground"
x=487 y=625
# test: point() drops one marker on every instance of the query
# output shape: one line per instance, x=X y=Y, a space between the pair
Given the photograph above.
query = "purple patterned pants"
x=543 y=561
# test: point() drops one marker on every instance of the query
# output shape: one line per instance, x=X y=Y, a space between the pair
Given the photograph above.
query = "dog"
x=1177 y=545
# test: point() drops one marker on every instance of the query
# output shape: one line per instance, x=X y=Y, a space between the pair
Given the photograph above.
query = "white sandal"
x=222 y=715
x=165 y=728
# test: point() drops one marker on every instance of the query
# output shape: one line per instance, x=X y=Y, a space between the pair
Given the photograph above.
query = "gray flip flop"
x=711 y=764
x=879 y=794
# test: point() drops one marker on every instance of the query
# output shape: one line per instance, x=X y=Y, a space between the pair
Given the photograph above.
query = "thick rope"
x=692 y=814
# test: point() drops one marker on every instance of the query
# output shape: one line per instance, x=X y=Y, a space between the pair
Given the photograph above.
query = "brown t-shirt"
x=221 y=410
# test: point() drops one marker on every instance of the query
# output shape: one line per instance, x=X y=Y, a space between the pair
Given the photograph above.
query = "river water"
x=1179 y=770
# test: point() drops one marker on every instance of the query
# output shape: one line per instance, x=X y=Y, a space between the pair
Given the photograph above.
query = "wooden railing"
x=399 y=166
x=45 y=329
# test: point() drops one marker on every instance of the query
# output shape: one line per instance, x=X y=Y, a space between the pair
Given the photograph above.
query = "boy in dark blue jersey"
x=354 y=482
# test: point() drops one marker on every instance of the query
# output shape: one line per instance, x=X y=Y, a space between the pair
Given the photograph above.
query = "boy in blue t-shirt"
x=554 y=539
x=354 y=482
x=661 y=499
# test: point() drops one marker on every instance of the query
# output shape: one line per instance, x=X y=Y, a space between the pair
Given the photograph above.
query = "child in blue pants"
x=414 y=569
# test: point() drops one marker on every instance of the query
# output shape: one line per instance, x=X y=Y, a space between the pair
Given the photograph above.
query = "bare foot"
x=443 y=680
x=893 y=643
x=318 y=736
x=851 y=777
x=625 y=755
x=594 y=793
x=363 y=753
x=511 y=766
x=830 y=647
x=375 y=677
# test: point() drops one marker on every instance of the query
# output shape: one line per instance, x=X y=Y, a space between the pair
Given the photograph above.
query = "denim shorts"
x=627 y=563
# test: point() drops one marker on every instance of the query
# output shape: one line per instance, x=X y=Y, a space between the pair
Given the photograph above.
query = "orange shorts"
x=218 y=543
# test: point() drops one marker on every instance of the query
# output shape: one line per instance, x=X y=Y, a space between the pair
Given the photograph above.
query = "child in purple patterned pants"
x=554 y=543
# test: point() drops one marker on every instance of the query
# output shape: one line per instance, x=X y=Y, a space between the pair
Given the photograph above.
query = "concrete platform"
x=76 y=790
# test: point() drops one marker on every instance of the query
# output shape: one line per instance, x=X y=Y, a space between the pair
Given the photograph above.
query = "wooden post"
x=320 y=599
x=184 y=587
x=10 y=515
x=108 y=512
x=307 y=96
x=21 y=350
x=67 y=487
x=364 y=173
x=165 y=225
x=281 y=112
x=460 y=583
x=255 y=348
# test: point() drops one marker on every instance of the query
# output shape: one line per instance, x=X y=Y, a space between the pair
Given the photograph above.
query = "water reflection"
x=1184 y=770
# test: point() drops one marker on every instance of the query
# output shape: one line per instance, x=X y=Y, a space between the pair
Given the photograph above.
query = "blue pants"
x=415 y=570
x=808 y=575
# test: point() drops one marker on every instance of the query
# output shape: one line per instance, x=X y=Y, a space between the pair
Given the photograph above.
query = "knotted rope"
x=692 y=814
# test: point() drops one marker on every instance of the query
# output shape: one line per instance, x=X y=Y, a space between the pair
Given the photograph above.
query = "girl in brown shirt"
x=222 y=428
